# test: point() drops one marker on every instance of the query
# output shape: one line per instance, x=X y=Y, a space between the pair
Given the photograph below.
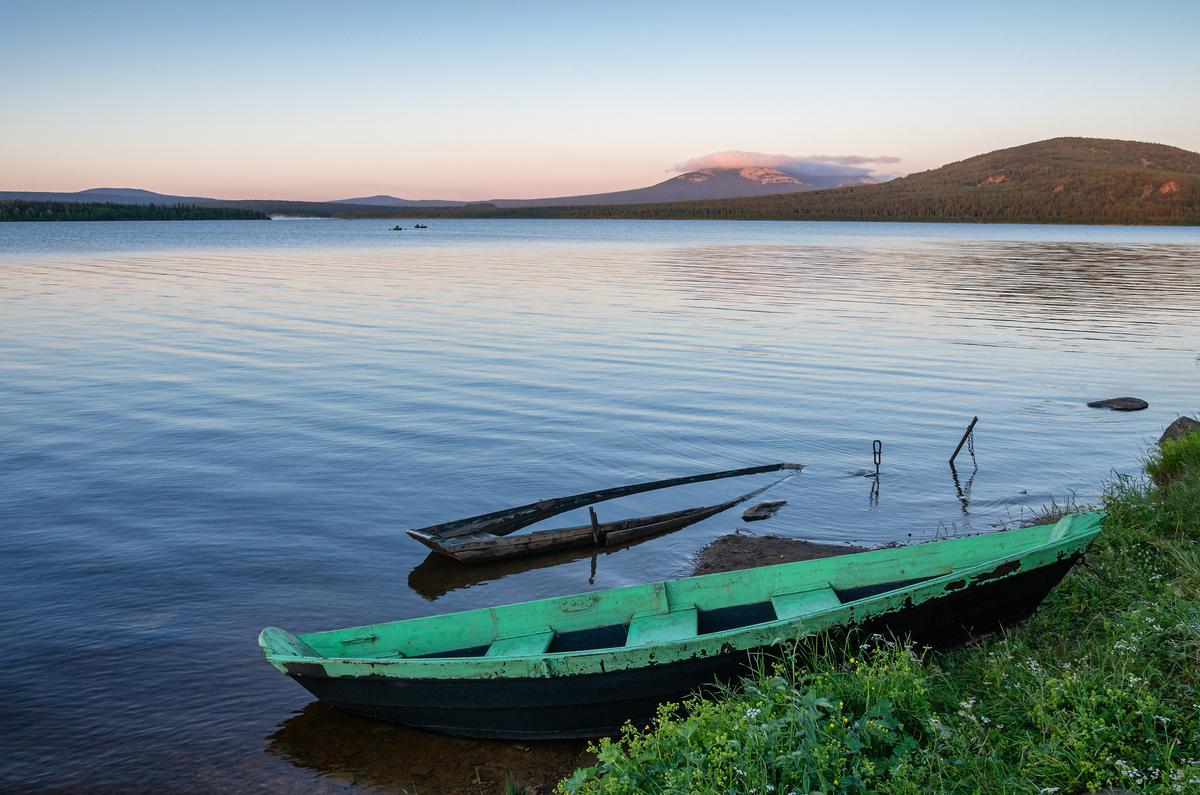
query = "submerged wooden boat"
x=488 y=536
x=580 y=666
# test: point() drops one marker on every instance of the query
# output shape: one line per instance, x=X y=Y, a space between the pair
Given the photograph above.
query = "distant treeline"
x=331 y=209
x=842 y=207
x=81 y=211
x=1099 y=198
x=1102 y=197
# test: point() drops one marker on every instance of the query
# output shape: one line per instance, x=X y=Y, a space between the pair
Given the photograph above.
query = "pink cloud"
x=738 y=159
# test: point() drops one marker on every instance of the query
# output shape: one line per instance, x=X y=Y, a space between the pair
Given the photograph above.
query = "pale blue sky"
x=320 y=100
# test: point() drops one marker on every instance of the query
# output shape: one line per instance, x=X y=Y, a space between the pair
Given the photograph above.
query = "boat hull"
x=591 y=705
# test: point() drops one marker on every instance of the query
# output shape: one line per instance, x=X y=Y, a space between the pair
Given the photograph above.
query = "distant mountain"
x=384 y=200
x=1061 y=180
x=103 y=195
x=1070 y=180
x=709 y=183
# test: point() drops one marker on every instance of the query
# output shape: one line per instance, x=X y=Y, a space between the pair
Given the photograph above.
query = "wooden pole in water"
x=963 y=440
x=596 y=539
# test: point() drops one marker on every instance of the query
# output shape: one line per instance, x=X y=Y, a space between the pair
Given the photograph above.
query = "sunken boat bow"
x=580 y=666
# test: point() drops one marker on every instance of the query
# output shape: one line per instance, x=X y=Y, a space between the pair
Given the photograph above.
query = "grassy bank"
x=1100 y=689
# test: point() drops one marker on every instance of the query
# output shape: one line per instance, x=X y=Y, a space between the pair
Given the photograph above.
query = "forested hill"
x=80 y=211
x=1062 y=180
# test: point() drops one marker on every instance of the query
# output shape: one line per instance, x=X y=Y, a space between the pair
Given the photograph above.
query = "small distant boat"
x=580 y=666
x=488 y=537
x=420 y=226
x=397 y=228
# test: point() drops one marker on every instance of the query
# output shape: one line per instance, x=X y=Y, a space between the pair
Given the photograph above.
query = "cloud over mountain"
x=807 y=164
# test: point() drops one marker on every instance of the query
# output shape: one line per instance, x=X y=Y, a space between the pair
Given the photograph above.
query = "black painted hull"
x=599 y=704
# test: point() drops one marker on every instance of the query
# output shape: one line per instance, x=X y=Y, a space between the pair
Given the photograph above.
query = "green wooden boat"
x=580 y=666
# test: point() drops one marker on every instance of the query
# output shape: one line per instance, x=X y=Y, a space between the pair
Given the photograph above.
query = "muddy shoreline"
x=744 y=551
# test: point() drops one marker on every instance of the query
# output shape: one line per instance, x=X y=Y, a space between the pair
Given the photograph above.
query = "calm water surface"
x=209 y=427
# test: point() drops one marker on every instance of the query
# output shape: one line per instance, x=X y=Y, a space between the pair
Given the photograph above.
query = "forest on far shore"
x=21 y=210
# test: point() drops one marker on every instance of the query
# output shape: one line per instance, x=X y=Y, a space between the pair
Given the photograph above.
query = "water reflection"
x=365 y=752
x=437 y=575
x=964 y=490
x=1052 y=290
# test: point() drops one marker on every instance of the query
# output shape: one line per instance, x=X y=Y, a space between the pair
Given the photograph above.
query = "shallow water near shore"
x=208 y=427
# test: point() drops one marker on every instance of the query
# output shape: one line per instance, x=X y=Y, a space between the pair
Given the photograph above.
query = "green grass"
x=1174 y=460
x=1101 y=688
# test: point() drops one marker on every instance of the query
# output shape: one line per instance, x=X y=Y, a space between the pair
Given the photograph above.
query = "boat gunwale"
x=753 y=635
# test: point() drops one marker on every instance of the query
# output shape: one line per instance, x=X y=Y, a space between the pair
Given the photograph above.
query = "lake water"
x=209 y=427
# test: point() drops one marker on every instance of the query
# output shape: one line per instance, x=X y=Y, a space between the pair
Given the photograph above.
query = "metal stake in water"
x=877 y=452
x=968 y=434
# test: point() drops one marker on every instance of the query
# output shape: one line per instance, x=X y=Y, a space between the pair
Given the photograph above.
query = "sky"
x=512 y=99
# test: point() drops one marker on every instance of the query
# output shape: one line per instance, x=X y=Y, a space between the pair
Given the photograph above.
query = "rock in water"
x=1179 y=429
x=1120 y=404
x=763 y=510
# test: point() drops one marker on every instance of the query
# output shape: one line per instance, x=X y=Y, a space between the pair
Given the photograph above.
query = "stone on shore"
x=1120 y=404
x=1179 y=429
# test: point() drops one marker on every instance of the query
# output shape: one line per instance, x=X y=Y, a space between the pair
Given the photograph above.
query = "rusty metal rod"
x=963 y=440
